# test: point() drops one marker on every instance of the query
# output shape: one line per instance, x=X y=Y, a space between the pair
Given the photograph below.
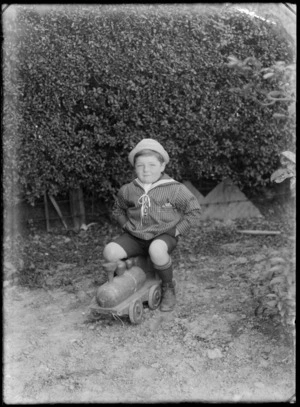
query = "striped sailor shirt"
x=163 y=207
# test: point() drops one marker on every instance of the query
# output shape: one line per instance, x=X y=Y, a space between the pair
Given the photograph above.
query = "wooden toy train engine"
x=130 y=283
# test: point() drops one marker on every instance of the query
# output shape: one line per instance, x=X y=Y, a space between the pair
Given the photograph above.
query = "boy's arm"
x=190 y=208
x=119 y=211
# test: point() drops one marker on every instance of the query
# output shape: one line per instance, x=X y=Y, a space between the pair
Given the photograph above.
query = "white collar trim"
x=157 y=183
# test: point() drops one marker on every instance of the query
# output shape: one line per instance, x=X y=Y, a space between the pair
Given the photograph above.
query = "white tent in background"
x=194 y=191
x=226 y=201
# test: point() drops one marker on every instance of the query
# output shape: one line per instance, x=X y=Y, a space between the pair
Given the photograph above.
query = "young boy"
x=153 y=211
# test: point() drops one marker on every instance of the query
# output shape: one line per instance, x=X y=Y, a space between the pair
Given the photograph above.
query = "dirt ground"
x=211 y=348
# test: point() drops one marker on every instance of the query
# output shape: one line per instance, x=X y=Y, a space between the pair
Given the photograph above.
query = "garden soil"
x=211 y=348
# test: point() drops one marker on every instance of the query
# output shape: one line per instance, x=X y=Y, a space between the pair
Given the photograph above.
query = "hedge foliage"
x=84 y=84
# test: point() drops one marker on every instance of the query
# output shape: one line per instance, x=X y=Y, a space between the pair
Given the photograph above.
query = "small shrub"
x=275 y=289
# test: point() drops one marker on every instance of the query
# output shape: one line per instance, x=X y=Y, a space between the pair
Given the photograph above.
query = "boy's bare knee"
x=114 y=252
x=158 y=251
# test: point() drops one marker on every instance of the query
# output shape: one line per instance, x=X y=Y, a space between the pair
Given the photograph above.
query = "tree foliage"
x=268 y=86
x=84 y=84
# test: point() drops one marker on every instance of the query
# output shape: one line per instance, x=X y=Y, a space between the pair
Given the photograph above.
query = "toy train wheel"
x=154 y=296
x=136 y=311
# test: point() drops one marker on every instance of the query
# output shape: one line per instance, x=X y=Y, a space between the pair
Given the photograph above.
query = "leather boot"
x=168 y=300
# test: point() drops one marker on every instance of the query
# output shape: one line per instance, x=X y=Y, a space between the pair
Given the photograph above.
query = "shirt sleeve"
x=119 y=212
x=190 y=209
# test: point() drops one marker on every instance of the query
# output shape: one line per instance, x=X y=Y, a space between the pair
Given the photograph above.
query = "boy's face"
x=148 y=168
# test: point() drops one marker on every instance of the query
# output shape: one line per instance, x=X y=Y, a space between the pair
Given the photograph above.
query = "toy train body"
x=130 y=284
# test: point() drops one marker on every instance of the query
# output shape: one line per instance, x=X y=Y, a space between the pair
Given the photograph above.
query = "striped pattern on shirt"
x=166 y=206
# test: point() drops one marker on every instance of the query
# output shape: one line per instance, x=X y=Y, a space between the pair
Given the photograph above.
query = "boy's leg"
x=114 y=252
x=159 y=253
x=122 y=247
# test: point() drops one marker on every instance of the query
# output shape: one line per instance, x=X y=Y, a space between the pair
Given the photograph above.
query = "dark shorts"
x=134 y=246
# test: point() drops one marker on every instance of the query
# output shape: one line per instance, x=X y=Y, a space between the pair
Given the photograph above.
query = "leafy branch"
x=281 y=75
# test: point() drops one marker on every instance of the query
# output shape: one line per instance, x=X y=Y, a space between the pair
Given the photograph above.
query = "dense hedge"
x=83 y=84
